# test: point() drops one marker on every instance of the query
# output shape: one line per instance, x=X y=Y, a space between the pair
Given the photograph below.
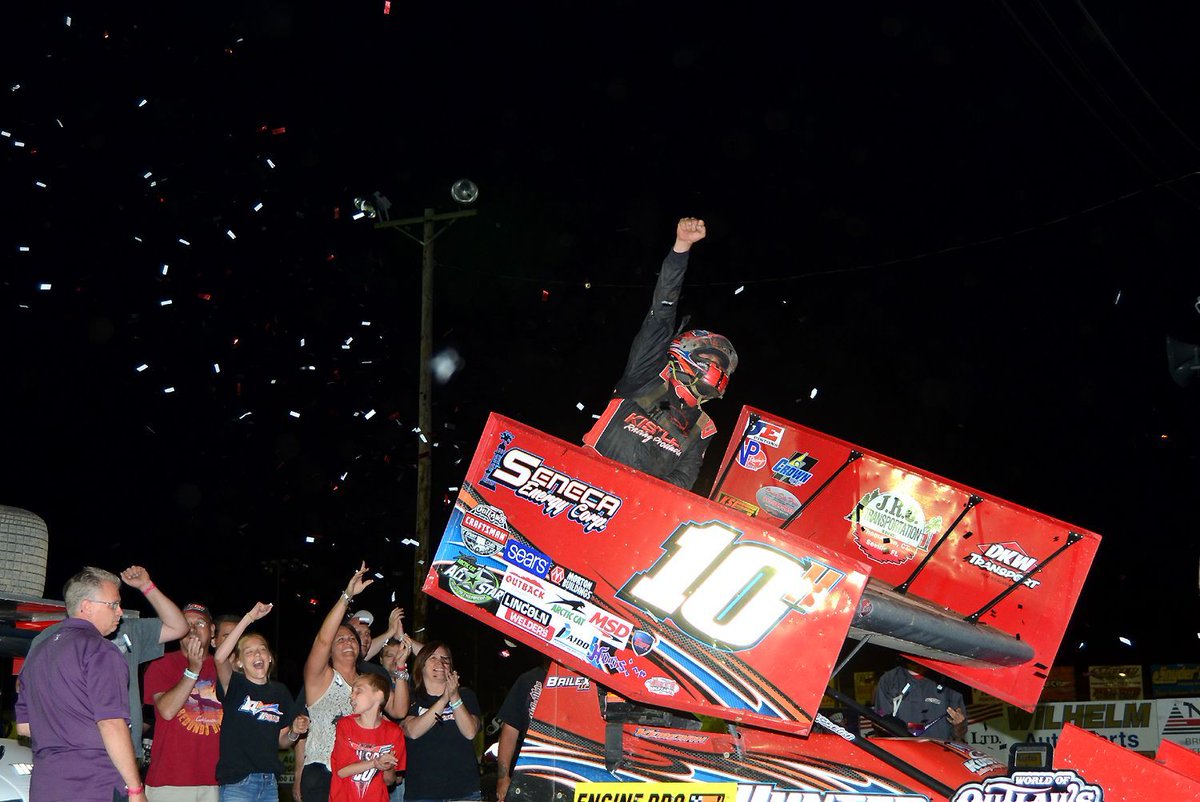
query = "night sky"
x=970 y=227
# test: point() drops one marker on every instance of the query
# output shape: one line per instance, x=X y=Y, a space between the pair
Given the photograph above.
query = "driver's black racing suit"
x=645 y=426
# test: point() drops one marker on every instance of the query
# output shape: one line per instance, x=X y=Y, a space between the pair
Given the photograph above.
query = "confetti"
x=216 y=367
x=39 y=184
x=370 y=413
x=147 y=174
x=408 y=541
x=1125 y=640
x=182 y=241
x=1118 y=299
x=5 y=133
x=271 y=164
x=168 y=390
x=142 y=367
x=366 y=323
x=359 y=216
x=44 y=286
x=257 y=207
x=165 y=268
x=387 y=9
x=68 y=21
x=23 y=248
x=579 y=406
x=142 y=103
x=229 y=233
x=344 y=475
x=739 y=290
x=293 y=413
x=245 y=415
x=310 y=539
x=813 y=394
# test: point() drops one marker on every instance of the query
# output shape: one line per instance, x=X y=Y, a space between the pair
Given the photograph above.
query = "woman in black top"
x=442 y=721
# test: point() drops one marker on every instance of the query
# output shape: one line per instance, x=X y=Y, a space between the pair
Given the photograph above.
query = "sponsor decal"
x=1031 y=786
x=506 y=439
x=590 y=507
x=526 y=586
x=642 y=642
x=484 y=529
x=1007 y=560
x=524 y=622
x=614 y=630
x=733 y=502
x=890 y=527
x=527 y=557
x=662 y=686
x=776 y=501
x=601 y=656
x=750 y=456
x=526 y=608
x=668 y=792
x=708 y=430
x=669 y=736
x=571 y=581
x=648 y=431
x=767 y=433
x=568 y=610
x=576 y=640
x=795 y=470
x=470 y=581
x=576 y=682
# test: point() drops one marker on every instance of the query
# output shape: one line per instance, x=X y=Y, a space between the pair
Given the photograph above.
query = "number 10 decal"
x=725 y=593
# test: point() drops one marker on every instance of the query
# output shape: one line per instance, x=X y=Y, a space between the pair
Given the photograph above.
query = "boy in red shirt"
x=369 y=748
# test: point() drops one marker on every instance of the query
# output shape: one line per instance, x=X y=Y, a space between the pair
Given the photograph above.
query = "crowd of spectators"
x=361 y=730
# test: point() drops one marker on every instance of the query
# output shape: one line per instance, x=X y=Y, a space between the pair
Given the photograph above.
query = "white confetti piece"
x=366 y=323
x=229 y=233
x=579 y=406
x=258 y=206
x=142 y=367
x=147 y=174
x=408 y=541
x=68 y=20
x=344 y=475
x=1118 y=299
x=739 y=290
x=6 y=133
x=271 y=164
x=168 y=390
x=245 y=415
x=165 y=268
x=1125 y=640
x=44 y=286
x=813 y=394
x=18 y=143
x=23 y=248
x=370 y=413
x=142 y=103
x=40 y=184
x=358 y=216
x=293 y=413
x=453 y=489
x=182 y=241
x=310 y=539
x=216 y=367
x=165 y=302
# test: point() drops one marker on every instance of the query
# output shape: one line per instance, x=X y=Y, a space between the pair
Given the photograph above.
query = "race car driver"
x=654 y=422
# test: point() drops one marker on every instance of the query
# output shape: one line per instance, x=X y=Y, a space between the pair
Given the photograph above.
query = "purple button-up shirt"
x=69 y=682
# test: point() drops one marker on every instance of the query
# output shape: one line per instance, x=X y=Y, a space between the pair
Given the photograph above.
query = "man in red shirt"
x=182 y=686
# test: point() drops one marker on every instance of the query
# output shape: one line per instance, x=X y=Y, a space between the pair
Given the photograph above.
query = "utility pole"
x=429 y=233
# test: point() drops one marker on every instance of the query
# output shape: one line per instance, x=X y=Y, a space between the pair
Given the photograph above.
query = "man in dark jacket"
x=654 y=422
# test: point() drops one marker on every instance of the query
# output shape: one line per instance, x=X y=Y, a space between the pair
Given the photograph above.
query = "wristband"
x=347 y=598
x=187 y=672
x=455 y=705
x=146 y=590
x=293 y=736
x=135 y=790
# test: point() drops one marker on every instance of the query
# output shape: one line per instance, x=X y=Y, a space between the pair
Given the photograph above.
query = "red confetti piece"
x=387 y=7
x=545 y=295
x=204 y=296
x=280 y=130
x=329 y=257
x=337 y=213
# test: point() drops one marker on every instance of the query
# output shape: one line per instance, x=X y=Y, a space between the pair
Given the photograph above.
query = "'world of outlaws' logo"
x=1031 y=786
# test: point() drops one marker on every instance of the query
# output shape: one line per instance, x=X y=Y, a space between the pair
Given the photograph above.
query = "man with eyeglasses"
x=182 y=687
x=140 y=640
x=73 y=700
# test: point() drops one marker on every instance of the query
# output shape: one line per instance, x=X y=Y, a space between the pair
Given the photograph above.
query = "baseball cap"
x=197 y=608
x=364 y=616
